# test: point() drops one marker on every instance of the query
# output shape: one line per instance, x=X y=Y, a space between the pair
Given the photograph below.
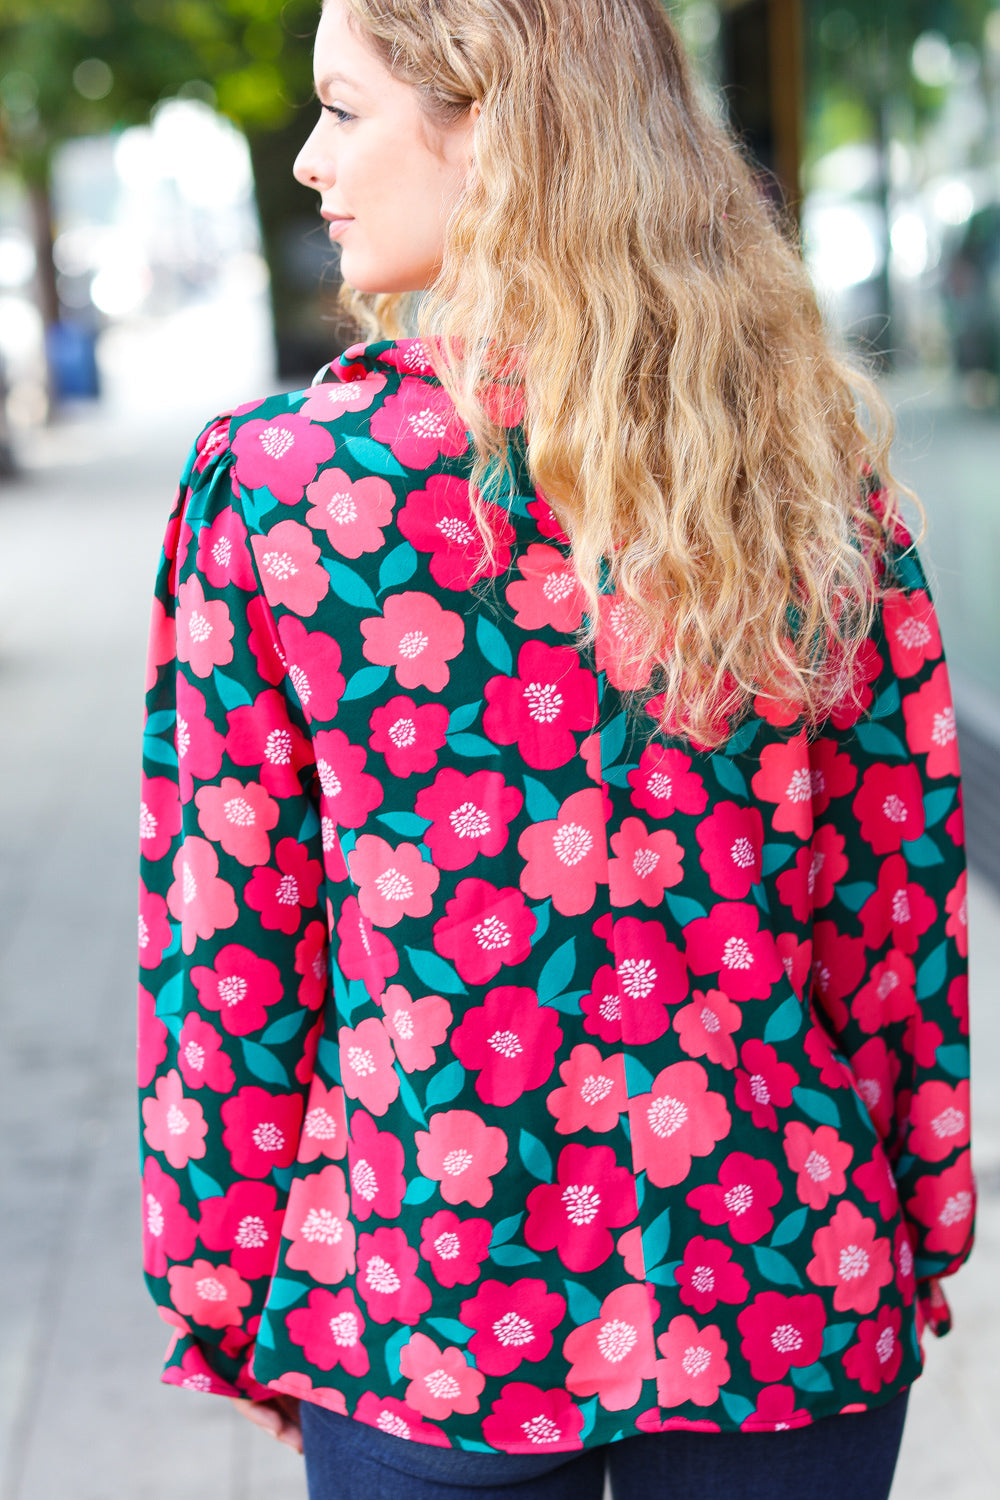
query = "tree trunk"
x=40 y=200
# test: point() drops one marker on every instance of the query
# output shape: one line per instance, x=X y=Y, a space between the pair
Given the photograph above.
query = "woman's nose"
x=311 y=168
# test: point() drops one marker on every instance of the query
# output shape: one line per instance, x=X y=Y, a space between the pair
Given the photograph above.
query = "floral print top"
x=514 y=1077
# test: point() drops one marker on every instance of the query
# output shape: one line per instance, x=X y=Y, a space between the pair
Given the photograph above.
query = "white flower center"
x=189 y=886
x=541 y=1429
x=742 y=853
x=363 y=1179
x=695 y=1360
x=222 y=551
x=280 y=565
x=267 y=1137
x=278 y=747
x=403 y=733
x=239 y=812
x=853 y=1262
x=199 y=627
x=195 y=1056
x=328 y=779
x=321 y=1226
x=507 y=1043
x=738 y=1198
x=666 y=1115
x=637 y=977
x=412 y=643
x=393 y=885
x=644 y=862
x=442 y=1385
x=799 y=789
x=737 y=954
x=710 y=1020
x=491 y=934
x=344 y=1328
x=615 y=1339
x=381 y=1276
x=210 y=1289
x=572 y=843
x=154 y=1216
x=901 y=906
x=913 y=634
x=177 y=1120
x=956 y=1208
x=148 y=824
x=544 y=701
x=455 y=530
x=943 y=729
x=703 y=1278
x=427 y=423
x=360 y=1061
x=894 y=808
x=276 y=441
x=557 y=585
x=659 y=785
x=287 y=893
x=817 y=1167
x=389 y=1421
x=251 y=1233
x=950 y=1121
x=403 y=1023
x=514 y=1330
x=232 y=989
x=300 y=682
x=581 y=1201
x=448 y=1245
x=341 y=509
x=456 y=1162
x=595 y=1087
x=470 y=821
x=786 y=1338
x=759 y=1088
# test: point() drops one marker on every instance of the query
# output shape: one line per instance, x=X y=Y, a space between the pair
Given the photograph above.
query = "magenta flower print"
x=945 y=1205
x=281 y=894
x=364 y=953
x=416 y=637
x=261 y=1130
x=200 y=901
x=399 y=1420
x=198 y=743
x=412 y=356
x=512 y=1323
x=329 y=1331
x=603 y=1007
x=705 y=1027
x=619 y=646
x=204 y=630
x=785 y=778
x=888 y=995
x=664 y=782
x=246 y=1224
x=567 y=857
x=875 y=1359
x=286 y=559
x=461 y=1152
x=296 y=1384
x=541 y=709
x=858 y=698
x=387 y=1279
x=212 y=1295
x=317 y=1221
x=440 y=1380
x=592 y=1194
x=168 y=1231
x=809 y=883
x=375 y=1160
x=875 y=1179
x=747 y=1189
x=930 y=724
x=775 y=1411
x=645 y=864
x=876 y=1070
x=469 y=816
x=415 y=1027
x=239 y=987
x=439 y=520
x=455 y=1248
x=327 y=400
x=678 y=1119
x=154 y=928
x=409 y=737
x=548 y=592
x=820 y=1158
x=850 y=1258
x=939 y=1119
x=890 y=807
x=763 y=1083
x=392 y=883
x=313 y=666
x=223 y=555
x=324 y=1129
x=159 y=816
x=200 y=1056
x=898 y=908
x=911 y=630
x=708 y=1275
x=837 y=968
x=612 y=1355
x=729 y=942
x=731 y=841
x=420 y=424
x=312 y=963
x=593 y=1095
x=162 y=642
x=832 y=774
x=957 y=906
x=212 y=441
x=366 y=1064
x=511 y=1041
x=238 y=816
x=693 y=1365
x=780 y=1333
x=281 y=453
x=347 y=792
x=483 y=929
x=174 y=1124
x=527 y=1419
x=651 y=974
x=152 y=1039
x=352 y=512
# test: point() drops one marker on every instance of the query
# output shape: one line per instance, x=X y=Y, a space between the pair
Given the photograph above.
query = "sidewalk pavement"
x=81 y=1411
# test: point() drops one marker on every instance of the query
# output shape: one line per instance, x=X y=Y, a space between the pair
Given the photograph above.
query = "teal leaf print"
x=774 y=1266
x=589 y=1409
x=933 y=971
x=463 y=716
x=886 y=703
x=505 y=1230
x=257 y=503
x=737 y=1407
x=283 y=1293
x=409 y=824
x=728 y=776
x=937 y=804
x=539 y=802
x=203 y=1185
x=410 y=1101
x=513 y=1255
x=436 y=972
x=348 y=585
x=683 y=909
x=534 y=1155
x=638 y=1078
x=310 y=825
x=954 y=1059
x=569 y=1003
x=855 y=895
x=837 y=1336
x=263 y=1064
x=583 y=1305
x=174 y=945
x=759 y=894
x=541 y=914
x=619 y=775
x=613 y=740
x=875 y=739
x=446 y=1085
x=231 y=694
x=419 y=1189
x=472 y=745
x=656 y=1239
x=665 y=1275
x=366 y=681
x=775 y=857
x=371 y=456
x=494 y=647
x=785 y=1021
x=557 y=971
x=328 y=1057
x=398 y=567
x=393 y=1349
x=265 y=1333
x=922 y=852
x=161 y=721
x=817 y=1106
x=791 y=1227
x=867 y=1121
x=171 y=998
x=812 y=1378
x=743 y=738
x=451 y=1329
x=284 y=1029
x=283 y=1177
x=159 y=750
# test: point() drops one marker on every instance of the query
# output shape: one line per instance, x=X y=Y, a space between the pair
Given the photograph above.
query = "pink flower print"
x=939 y=1119
x=693 y=1366
x=527 y=1419
x=440 y=1380
x=832 y=773
x=212 y=442
x=957 y=905
x=198 y=743
x=262 y=1130
x=408 y=355
x=620 y=642
x=194 y=1374
x=663 y=782
x=955 y=824
x=708 y=1275
x=731 y=841
x=329 y=1331
x=469 y=816
x=282 y=453
x=387 y=1278
x=593 y=1095
x=461 y=1152
x=512 y=1323
x=540 y=709
x=511 y=1040
x=439 y=520
x=603 y=1007
x=944 y=1204
x=238 y=816
x=728 y=942
x=289 y=571
x=352 y=512
x=348 y=793
x=162 y=646
x=651 y=975
x=613 y=1354
x=324 y=1129
x=629 y=1247
x=201 y=1060
x=548 y=593
x=168 y=1231
x=785 y=778
x=296 y=1384
x=850 y=1258
x=204 y=629
x=222 y=552
x=152 y=1040
x=154 y=929
x=747 y=1189
x=281 y=895
x=392 y=883
x=546 y=521
x=364 y=953
x=159 y=816
x=366 y=1065
x=325 y=402
x=677 y=1120
x=483 y=929
x=415 y=1027
x=858 y=698
x=211 y=1295
x=317 y=1221
x=198 y=899
x=174 y=1124
x=897 y=908
x=312 y=962
x=313 y=665
x=566 y=857
x=775 y=1411
x=705 y=1027
x=455 y=1248
x=875 y=1359
x=958 y=1002
x=409 y=737
x=573 y=1215
x=796 y=959
x=876 y=1070
x=763 y=1082
x=420 y=424
x=820 y=1158
x=645 y=864
x=839 y=963
x=890 y=807
x=375 y=1162
x=416 y=637
x=246 y=1224
x=875 y=1179
x=902 y=1254
x=809 y=884
x=239 y=987
x=781 y=1332
x=399 y=1420
x=930 y=724
x=911 y=630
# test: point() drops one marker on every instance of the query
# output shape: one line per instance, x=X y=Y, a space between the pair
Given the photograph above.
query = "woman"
x=554 y=920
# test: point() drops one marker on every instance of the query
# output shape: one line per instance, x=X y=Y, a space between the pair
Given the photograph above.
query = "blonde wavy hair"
x=685 y=413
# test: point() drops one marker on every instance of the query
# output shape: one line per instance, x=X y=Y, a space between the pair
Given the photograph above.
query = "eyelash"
x=341 y=116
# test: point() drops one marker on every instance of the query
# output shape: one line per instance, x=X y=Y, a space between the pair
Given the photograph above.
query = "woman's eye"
x=340 y=115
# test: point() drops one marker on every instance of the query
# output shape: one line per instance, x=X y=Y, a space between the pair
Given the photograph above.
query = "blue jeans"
x=841 y=1458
